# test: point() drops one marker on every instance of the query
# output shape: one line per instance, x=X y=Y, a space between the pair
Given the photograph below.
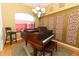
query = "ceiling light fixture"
x=38 y=11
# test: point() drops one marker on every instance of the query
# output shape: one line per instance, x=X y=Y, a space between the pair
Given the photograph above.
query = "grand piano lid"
x=30 y=30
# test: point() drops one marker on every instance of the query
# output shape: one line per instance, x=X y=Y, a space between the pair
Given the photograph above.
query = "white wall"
x=1 y=31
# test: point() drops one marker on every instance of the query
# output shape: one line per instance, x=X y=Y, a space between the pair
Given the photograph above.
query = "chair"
x=9 y=33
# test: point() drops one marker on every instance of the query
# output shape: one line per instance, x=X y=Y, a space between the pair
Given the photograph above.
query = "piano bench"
x=50 y=47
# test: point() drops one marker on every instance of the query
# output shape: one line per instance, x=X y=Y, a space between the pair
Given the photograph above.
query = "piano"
x=38 y=37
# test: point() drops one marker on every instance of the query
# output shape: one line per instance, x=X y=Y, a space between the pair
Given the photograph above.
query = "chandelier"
x=39 y=11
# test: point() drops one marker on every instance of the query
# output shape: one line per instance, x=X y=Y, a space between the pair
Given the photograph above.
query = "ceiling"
x=33 y=5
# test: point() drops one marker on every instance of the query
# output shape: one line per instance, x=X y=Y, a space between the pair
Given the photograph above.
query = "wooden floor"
x=7 y=50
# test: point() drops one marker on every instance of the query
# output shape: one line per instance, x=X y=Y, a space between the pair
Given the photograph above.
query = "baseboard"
x=1 y=49
x=67 y=46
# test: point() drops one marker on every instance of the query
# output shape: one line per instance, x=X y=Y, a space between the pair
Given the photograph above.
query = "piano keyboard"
x=47 y=38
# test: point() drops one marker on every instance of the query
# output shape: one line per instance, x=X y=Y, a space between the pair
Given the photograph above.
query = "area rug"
x=18 y=50
x=23 y=50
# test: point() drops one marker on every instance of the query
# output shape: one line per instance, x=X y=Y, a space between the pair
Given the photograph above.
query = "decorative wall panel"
x=44 y=22
x=65 y=25
x=47 y=22
x=59 y=28
x=41 y=22
x=73 y=23
x=51 y=22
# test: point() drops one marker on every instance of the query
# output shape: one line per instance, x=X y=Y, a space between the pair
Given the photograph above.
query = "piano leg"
x=43 y=52
x=51 y=53
x=35 y=52
x=26 y=42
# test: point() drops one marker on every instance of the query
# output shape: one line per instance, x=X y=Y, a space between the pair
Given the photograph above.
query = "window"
x=24 y=21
